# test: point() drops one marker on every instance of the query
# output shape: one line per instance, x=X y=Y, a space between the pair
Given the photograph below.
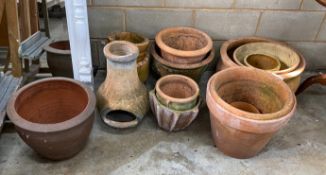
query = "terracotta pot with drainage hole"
x=242 y=132
x=54 y=116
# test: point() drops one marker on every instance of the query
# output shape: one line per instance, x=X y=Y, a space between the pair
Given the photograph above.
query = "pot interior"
x=177 y=88
x=185 y=39
x=51 y=102
x=245 y=106
x=61 y=45
x=120 y=116
x=126 y=36
x=120 y=49
x=262 y=61
x=260 y=95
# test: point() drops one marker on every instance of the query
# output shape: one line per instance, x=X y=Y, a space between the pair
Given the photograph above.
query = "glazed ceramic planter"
x=239 y=133
x=183 y=45
x=163 y=67
x=122 y=97
x=59 y=58
x=272 y=52
x=292 y=78
x=169 y=119
x=53 y=116
x=177 y=92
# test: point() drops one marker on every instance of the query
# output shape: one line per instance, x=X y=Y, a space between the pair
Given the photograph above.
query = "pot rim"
x=208 y=59
x=50 y=49
x=111 y=38
x=131 y=56
x=183 y=53
x=287 y=75
x=188 y=80
x=55 y=127
x=287 y=107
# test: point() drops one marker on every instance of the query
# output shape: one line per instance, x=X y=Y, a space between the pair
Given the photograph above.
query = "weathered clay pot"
x=239 y=133
x=169 y=119
x=143 y=68
x=59 y=58
x=122 y=97
x=54 y=116
x=292 y=78
x=322 y=2
x=183 y=45
x=262 y=61
x=289 y=58
x=177 y=92
x=163 y=67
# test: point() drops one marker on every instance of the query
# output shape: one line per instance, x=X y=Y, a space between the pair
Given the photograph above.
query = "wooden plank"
x=14 y=36
x=2 y=5
x=24 y=19
x=34 y=19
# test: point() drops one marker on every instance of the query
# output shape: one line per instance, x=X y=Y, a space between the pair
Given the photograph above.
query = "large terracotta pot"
x=54 y=116
x=183 y=45
x=122 y=97
x=163 y=67
x=59 y=59
x=239 y=133
x=291 y=78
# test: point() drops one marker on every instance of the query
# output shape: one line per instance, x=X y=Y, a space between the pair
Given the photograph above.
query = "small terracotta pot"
x=287 y=59
x=177 y=92
x=58 y=57
x=143 y=68
x=292 y=78
x=54 y=116
x=183 y=45
x=163 y=67
x=169 y=119
x=262 y=61
x=239 y=133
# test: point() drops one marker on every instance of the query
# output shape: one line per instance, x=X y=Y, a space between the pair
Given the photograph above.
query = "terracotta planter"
x=239 y=133
x=169 y=119
x=183 y=45
x=291 y=78
x=288 y=58
x=54 y=116
x=163 y=67
x=122 y=97
x=177 y=92
x=143 y=68
x=59 y=58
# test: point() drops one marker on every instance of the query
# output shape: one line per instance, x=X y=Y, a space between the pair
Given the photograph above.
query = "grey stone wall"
x=301 y=23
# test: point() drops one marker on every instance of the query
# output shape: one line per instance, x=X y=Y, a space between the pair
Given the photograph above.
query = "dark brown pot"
x=239 y=133
x=322 y=2
x=59 y=59
x=316 y=79
x=54 y=116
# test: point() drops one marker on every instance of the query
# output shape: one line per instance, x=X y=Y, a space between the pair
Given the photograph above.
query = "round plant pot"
x=143 y=68
x=183 y=45
x=292 y=78
x=239 y=133
x=288 y=58
x=122 y=98
x=59 y=59
x=54 y=116
x=177 y=92
x=169 y=119
x=262 y=61
x=163 y=67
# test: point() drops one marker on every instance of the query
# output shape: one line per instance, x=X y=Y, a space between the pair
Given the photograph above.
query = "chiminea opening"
x=120 y=116
x=120 y=49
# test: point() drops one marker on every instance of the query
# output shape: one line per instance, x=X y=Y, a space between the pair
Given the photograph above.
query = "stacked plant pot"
x=182 y=50
x=263 y=53
x=175 y=102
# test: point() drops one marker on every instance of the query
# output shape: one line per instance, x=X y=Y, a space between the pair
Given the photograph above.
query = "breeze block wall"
x=301 y=23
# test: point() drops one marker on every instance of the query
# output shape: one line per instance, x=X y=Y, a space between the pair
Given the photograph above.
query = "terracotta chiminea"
x=122 y=97
x=183 y=45
x=54 y=116
x=239 y=131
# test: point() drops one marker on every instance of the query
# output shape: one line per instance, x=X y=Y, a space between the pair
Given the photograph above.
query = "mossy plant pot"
x=59 y=60
x=122 y=97
x=239 y=133
x=163 y=67
x=169 y=119
x=183 y=45
x=143 y=68
x=177 y=92
x=54 y=116
x=291 y=78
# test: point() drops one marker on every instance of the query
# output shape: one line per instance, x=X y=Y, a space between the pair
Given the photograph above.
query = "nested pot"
x=122 y=97
x=59 y=60
x=170 y=119
x=291 y=78
x=54 y=116
x=183 y=45
x=163 y=67
x=143 y=68
x=239 y=132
